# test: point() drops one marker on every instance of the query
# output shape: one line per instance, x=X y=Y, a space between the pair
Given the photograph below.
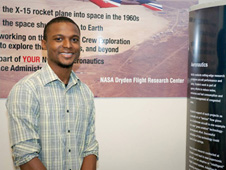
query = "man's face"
x=62 y=44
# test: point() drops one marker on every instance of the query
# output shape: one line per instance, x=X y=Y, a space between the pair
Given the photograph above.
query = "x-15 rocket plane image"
x=116 y=3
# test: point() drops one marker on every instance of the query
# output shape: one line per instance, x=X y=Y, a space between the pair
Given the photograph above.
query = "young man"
x=51 y=112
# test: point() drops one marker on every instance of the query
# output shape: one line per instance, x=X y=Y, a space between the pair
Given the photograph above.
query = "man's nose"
x=66 y=43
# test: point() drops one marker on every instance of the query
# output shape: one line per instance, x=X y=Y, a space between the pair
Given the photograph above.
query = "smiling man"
x=51 y=112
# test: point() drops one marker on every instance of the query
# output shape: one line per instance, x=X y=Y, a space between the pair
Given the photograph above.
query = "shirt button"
x=69 y=150
x=68 y=111
x=68 y=131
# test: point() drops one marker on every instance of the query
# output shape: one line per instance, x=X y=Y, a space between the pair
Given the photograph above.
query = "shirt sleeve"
x=91 y=144
x=22 y=107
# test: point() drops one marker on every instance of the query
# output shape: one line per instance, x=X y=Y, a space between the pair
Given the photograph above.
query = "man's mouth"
x=67 y=55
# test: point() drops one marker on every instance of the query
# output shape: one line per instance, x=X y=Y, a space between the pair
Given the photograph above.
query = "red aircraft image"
x=116 y=3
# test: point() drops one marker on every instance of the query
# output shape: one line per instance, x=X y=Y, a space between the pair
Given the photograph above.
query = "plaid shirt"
x=51 y=121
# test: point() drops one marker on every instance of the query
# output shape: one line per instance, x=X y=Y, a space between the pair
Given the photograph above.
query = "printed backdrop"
x=128 y=51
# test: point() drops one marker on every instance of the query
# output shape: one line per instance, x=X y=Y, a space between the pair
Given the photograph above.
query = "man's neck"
x=62 y=73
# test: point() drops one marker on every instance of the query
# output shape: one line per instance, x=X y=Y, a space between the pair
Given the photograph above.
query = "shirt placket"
x=68 y=131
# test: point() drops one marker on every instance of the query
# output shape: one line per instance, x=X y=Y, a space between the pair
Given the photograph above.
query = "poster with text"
x=129 y=48
x=206 y=134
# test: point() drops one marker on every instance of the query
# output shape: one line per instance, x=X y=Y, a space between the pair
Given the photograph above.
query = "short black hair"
x=57 y=20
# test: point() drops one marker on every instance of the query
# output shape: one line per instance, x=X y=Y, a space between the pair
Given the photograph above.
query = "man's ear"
x=44 y=44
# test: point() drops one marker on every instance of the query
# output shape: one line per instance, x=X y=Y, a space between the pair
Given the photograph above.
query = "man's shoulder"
x=25 y=87
x=29 y=81
x=86 y=90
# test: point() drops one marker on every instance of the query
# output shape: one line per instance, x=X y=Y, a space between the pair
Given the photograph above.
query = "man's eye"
x=75 y=39
x=58 y=39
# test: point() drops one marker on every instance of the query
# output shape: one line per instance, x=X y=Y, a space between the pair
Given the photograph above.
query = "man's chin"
x=65 y=65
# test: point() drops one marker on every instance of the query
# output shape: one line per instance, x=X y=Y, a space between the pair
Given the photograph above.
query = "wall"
x=141 y=133
x=5 y=155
